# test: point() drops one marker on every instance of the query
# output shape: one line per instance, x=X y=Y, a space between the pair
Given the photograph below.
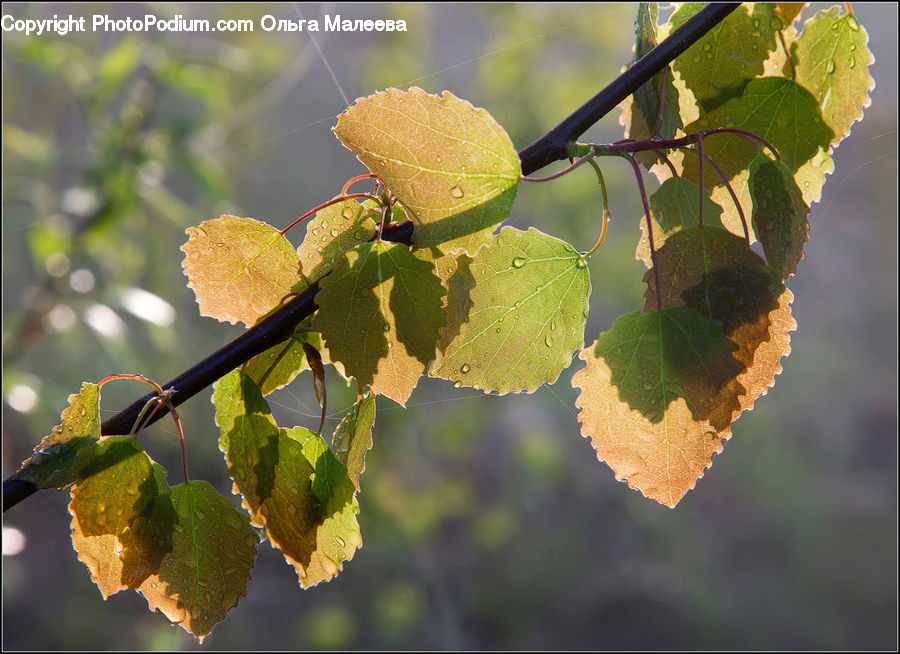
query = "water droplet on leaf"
x=465 y=368
x=456 y=191
x=829 y=68
x=518 y=262
x=347 y=213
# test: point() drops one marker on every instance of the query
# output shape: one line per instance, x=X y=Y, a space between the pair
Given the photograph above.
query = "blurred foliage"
x=487 y=522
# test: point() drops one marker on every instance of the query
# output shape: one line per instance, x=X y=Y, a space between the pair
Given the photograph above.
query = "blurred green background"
x=487 y=521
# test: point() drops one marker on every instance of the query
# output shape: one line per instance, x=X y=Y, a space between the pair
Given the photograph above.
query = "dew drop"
x=340 y=541
x=581 y=262
x=153 y=584
x=319 y=249
x=458 y=384
x=334 y=233
x=347 y=213
x=852 y=62
x=315 y=232
x=852 y=47
x=292 y=509
x=456 y=191
x=497 y=330
x=324 y=238
x=465 y=368
x=387 y=327
x=516 y=305
x=829 y=68
x=696 y=59
x=707 y=47
x=518 y=262
x=853 y=23
x=203 y=582
x=358 y=235
x=548 y=340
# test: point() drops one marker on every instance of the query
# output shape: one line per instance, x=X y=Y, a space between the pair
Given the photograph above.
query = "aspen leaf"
x=451 y=164
x=527 y=295
x=239 y=268
x=674 y=206
x=335 y=229
x=51 y=464
x=114 y=485
x=353 y=436
x=380 y=312
x=832 y=58
x=777 y=109
x=719 y=64
x=280 y=364
x=779 y=215
x=645 y=383
x=716 y=274
x=289 y=482
x=207 y=571
x=641 y=110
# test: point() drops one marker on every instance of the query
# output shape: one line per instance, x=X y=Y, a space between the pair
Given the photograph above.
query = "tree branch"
x=552 y=146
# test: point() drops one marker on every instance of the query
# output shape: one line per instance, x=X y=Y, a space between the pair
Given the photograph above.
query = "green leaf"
x=527 y=296
x=779 y=215
x=114 y=485
x=353 y=436
x=449 y=163
x=716 y=274
x=280 y=364
x=644 y=384
x=832 y=60
x=335 y=229
x=777 y=109
x=380 y=312
x=51 y=464
x=718 y=65
x=337 y=535
x=675 y=206
x=641 y=110
x=239 y=268
x=289 y=482
x=207 y=571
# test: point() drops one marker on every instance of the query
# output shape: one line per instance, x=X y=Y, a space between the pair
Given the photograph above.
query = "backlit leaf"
x=451 y=164
x=114 y=485
x=779 y=215
x=51 y=464
x=527 y=296
x=719 y=64
x=674 y=206
x=239 y=268
x=280 y=364
x=832 y=60
x=207 y=571
x=641 y=110
x=353 y=436
x=716 y=274
x=289 y=482
x=778 y=110
x=380 y=312
x=647 y=384
x=333 y=230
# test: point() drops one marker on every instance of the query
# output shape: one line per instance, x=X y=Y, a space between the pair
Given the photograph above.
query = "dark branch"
x=553 y=146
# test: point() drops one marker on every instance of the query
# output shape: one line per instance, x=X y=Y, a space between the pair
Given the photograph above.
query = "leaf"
x=644 y=384
x=779 y=215
x=51 y=464
x=114 y=485
x=832 y=59
x=674 y=206
x=788 y=11
x=280 y=364
x=380 y=312
x=289 y=482
x=207 y=571
x=334 y=229
x=337 y=535
x=716 y=274
x=239 y=268
x=353 y=436
x=641 y=110
x=778 y=110
x=449 y=163
x=719 y=64
x=529 y=301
